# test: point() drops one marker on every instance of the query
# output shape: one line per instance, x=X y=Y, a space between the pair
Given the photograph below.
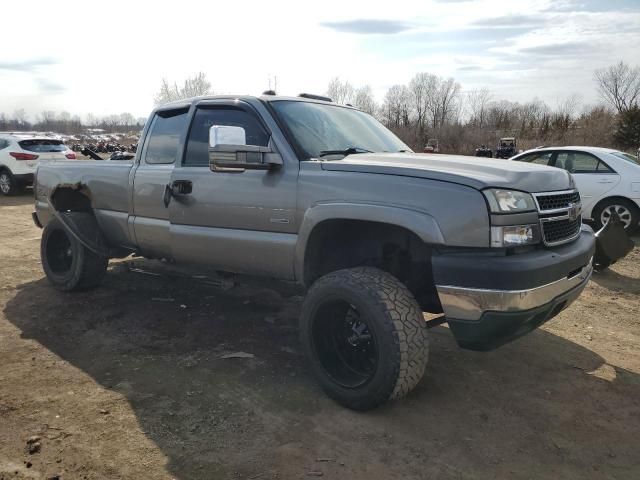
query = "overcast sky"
x=109 y=57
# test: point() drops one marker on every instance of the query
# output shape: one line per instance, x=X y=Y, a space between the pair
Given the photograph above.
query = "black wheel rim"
x=344 y=344
x=59 y=252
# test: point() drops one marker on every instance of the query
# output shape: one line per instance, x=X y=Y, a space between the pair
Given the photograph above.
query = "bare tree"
x=47 y=118
x=531 y=115
x=111 y=122
x=477 y=104
x=20 y=116
x=365 y=101
x=341 y=92
x=396 y=106
x=127 y=119
x=193 y=87
x=91 y=120
x=423 y=89
x=619 y=85
x=443 y=104
x=569 y=106
x=196 y=86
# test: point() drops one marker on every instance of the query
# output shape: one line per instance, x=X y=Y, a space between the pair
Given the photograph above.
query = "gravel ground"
x=129 y=382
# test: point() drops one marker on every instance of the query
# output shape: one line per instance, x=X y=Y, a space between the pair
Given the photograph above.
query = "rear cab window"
x=42 y=146
x=163 y=139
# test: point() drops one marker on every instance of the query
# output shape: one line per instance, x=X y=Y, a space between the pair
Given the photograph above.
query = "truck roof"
x=264 y=98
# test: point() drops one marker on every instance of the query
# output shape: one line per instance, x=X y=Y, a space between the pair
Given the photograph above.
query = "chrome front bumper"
x=463 y=303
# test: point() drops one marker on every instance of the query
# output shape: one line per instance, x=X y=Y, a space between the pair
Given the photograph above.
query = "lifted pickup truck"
x=302 y=189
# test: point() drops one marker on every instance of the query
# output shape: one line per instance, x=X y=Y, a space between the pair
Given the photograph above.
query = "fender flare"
x=420 y=223
x=84 y=228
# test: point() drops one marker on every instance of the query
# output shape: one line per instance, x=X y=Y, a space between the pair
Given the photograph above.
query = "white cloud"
x=110 y=57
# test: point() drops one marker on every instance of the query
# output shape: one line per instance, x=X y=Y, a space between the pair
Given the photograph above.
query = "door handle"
x=175 y=189
x=181 y=187
x=604 y=181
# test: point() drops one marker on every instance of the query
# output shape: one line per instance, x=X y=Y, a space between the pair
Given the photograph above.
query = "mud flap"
x=84 y=228
x=612 y=243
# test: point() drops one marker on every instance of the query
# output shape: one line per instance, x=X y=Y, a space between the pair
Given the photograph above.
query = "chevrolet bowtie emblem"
x=574 y=211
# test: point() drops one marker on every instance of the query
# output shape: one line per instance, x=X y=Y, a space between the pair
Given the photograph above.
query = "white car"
x=20 y=154
x=608 y=180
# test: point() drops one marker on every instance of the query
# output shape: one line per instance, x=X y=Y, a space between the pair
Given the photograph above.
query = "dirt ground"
x=127 y=382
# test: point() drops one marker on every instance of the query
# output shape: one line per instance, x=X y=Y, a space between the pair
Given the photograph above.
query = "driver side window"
x=197 y=154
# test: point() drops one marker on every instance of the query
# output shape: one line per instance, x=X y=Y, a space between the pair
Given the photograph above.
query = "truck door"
x=160 y=151
x=240 y=221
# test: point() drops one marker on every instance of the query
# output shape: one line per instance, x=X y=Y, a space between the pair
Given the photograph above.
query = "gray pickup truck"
x=302 y=189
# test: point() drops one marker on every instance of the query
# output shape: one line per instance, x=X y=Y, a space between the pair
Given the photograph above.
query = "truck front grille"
x=560 y=216
x=551 y=201
x=560 y=231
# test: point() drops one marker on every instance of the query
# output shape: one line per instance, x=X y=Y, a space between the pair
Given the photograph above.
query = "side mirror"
x=228 y=151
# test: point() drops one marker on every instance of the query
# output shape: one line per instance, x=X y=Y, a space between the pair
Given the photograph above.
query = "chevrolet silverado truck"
x=305 y=190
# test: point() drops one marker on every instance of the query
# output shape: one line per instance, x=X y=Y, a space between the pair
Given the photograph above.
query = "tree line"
x=66 y=123
x=430 y=106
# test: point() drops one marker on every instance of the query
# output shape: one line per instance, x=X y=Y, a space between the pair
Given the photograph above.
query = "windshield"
x=626 y=156
x=318 y=128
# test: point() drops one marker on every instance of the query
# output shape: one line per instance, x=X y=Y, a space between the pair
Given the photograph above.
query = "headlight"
x=509 y=201
x=515 y=235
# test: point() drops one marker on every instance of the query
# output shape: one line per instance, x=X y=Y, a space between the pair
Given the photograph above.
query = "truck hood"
x=476 y=172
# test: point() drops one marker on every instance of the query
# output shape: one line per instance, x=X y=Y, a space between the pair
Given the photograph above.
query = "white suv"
x=20 y=154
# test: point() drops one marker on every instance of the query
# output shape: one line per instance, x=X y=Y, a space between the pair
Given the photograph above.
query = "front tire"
x=365 y=337
x=66 y=262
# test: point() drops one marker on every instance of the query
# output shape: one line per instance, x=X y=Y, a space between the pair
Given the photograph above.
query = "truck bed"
x=109 y=186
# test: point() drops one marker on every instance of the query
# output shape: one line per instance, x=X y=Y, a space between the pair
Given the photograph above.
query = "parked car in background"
x=608 y=180
x=19 y=156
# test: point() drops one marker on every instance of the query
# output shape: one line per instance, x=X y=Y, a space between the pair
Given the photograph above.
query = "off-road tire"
x=394 y=319
x=85 y=268
x=15 y=187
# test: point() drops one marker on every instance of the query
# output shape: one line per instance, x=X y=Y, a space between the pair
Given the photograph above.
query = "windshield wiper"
x=346 y=151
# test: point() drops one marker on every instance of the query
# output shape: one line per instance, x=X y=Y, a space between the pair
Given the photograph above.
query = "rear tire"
x=66 y=262
x=365 y=337
x=9 y=185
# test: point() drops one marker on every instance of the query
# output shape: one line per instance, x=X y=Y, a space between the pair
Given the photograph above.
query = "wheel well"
x=337 y=244
x=72 y=199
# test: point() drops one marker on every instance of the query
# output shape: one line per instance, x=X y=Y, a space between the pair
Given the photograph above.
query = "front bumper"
x=488 y=313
